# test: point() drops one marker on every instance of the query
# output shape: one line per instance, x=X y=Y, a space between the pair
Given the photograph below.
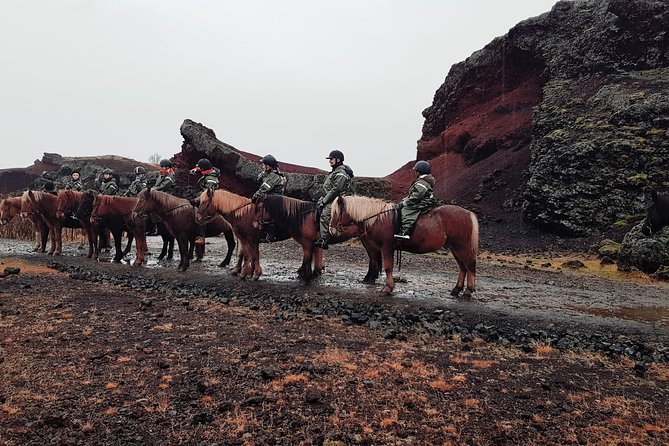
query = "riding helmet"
x=139 y=170
x=204 y=164
x=107 y=171
x=165 y=163
x=269 y=160
x=336 y=154
x=422 y=167
x=75 y=171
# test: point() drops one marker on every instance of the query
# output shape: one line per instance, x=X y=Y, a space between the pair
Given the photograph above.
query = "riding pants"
x=326 y=215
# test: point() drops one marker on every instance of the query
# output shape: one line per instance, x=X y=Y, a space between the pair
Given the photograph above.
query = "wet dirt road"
x=519 y=294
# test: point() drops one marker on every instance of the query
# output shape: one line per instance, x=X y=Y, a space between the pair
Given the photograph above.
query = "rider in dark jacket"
x=108 y=185
x=336 y=183
x=419 y=200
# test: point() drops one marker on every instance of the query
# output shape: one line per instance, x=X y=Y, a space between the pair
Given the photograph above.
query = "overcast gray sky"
x=295 y=78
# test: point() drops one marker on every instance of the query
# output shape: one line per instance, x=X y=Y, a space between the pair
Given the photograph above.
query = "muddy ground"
x=100 y=353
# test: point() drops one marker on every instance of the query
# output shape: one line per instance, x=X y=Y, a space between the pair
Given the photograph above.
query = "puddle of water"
x=643 y=314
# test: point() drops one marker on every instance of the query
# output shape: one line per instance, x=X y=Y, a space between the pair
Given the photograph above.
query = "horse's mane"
x=287 y=210
x=43 y=201
x=166 y=201
x=227 y=202
x=366 y=210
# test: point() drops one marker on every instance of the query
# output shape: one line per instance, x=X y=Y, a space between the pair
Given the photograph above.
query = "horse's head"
x=65 y=203
x=341 y=222
x=28 y=204
x=145 y=203
x=203 y=211
x=7 y=211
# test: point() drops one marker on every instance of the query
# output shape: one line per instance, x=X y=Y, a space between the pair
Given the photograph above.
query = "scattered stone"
x=313 y=396
x=202 y=418
x=606 y=260
x=573 y=264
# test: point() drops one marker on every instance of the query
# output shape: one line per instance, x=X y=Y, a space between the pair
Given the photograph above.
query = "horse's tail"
x=474 y=235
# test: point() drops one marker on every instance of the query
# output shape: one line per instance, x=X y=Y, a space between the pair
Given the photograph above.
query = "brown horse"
x=115 y=214
x=443 y=227
x=66 y=206
x=35 y=202
x=240 y=212
x=11 y=206
x=297 y=219
x=178 y=216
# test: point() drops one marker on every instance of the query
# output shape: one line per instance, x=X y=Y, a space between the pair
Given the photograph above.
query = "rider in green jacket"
x=419 y=200
x=336 y=183
x=166 y=180
x=138 y=183
x=272 y=181
x=108 y=185
x=209 y=180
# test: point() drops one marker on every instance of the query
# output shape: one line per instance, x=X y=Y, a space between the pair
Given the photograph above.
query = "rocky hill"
x=564 y=120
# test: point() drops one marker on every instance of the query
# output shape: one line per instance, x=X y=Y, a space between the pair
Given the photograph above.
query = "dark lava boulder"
x=646 y=253
x=239 y=170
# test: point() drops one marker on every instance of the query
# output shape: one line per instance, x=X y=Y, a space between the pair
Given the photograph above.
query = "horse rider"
x=138 y=183
x=166 y=180
x=272 y=181
x=336 y=183
x=419 y=200
x=209 y=180
x=50 y=188
x=108 y=185
x=74 y=182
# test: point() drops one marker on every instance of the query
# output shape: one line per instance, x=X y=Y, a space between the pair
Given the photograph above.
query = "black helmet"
x=204 y=164
x=336 y=154
x=107 y=171
x=269 y=160
x=165 y=163
x=75 y=171
x=139 y=169
x=422 y=167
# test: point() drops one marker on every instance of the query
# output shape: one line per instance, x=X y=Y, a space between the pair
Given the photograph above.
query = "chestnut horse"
x=115 y=214
x=67 y=204
x=297 y=219
x=178 y=216
x=35 y=202
x=11 y=206
x=446 y=226
x=240 y=212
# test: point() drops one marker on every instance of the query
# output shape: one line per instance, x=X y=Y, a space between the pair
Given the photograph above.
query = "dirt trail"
x=512 y=290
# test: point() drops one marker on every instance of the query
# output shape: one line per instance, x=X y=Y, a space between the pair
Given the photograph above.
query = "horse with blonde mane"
x=10 y=207
x=35 y=203
x=240 y=212
x=445 y=226
x=178 y=217
x=293 y=218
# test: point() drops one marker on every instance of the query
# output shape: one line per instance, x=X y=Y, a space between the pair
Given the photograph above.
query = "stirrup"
x=402 y=236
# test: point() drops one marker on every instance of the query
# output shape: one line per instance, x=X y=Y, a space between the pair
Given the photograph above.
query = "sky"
x=294 y=78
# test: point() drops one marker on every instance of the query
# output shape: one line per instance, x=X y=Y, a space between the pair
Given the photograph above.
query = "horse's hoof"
x=455 y=292
x=387 y=290
x=50 y=253
x=223 y=264
x=254 y=278
x=369 y=280
x=57 y=253
x=467 y=294
x=116 y=261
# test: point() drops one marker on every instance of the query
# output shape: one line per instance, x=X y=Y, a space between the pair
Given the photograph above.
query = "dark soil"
x=106 y=354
